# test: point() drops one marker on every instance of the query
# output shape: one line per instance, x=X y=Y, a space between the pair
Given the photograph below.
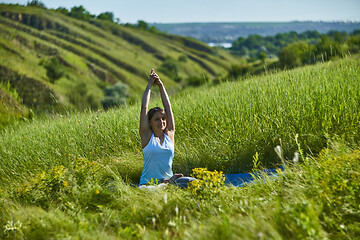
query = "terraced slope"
x=85 y=57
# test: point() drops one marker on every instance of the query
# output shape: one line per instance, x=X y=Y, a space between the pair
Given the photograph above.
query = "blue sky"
x=170 y=11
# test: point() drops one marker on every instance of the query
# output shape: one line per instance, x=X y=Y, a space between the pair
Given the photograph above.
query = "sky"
x=181 y=11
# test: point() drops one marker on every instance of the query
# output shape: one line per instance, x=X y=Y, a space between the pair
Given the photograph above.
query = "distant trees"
x=62 y=10
x=108 y=16
x=36 y=3
x=295 y=49
x=143 y=25
x=314 y=47
x=80 y=12
x=294 y=55
x=328 y=46
x=253 y=45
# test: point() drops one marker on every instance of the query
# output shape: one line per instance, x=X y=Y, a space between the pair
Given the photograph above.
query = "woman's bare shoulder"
x=171 y=135
x=145 y=137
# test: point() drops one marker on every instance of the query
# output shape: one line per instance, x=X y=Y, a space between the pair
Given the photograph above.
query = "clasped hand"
x=154 y=78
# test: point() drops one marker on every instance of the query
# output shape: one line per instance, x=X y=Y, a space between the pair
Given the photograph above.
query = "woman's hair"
x=152 y=111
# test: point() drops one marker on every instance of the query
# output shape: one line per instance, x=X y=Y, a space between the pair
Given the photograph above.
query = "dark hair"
x=152 y=111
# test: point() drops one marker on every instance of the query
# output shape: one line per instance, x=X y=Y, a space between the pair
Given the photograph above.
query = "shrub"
x=196 y=81
x=237 y=71
x=58 y=183
x=182 y=58
x=170 y=67
x=208 y=183
x=54 y=68
x=116 y=95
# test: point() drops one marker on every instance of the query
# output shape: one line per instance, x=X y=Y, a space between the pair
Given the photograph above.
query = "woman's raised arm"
x=167 y=107
x=144 y=128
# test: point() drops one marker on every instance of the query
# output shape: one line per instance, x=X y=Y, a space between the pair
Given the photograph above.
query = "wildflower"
x=176 y=210
x=154 y=222
x=171 y=223
x=165 y=198
x=97 y=191
x=296 y=157
x=65 y=183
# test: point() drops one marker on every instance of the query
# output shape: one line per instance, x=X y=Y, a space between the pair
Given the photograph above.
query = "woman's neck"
x=158 y=134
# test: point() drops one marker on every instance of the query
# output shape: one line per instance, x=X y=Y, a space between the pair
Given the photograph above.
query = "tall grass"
x=218 y=128
x=317 y=199
x=66 y=177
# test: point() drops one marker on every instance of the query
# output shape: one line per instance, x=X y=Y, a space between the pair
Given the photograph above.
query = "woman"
x=157 y=131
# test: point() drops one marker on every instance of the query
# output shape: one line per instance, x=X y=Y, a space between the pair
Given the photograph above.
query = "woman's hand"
x=154 y=78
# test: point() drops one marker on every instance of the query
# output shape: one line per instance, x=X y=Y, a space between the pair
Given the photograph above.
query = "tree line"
x=295 y=49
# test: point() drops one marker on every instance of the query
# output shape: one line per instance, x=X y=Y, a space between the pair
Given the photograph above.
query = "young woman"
x=157 y=131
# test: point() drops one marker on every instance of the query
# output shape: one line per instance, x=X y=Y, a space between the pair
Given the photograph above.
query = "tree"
x=80 y=13
x=62 y=10
x=237 y=71
x=143 y=25
x=262 y=57
x=36 y=3
x=339 y=37
x=244 y=52
x=309 y=35
x=327 y=48
x=170 y=67
x=354 y=43
x=108 y=16
x=295 y=54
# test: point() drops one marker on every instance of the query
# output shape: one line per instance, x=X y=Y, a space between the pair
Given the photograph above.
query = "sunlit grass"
x=69 y=176
x=219 y=128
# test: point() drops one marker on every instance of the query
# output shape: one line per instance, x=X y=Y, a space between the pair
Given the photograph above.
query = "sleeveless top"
x=158 y=160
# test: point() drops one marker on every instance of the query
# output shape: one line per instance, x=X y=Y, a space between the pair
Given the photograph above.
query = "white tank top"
x=158 y=160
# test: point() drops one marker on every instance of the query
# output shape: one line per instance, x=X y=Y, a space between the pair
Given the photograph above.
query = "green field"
x=70 y=176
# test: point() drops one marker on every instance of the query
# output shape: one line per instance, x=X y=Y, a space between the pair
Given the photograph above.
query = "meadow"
x=71 y=176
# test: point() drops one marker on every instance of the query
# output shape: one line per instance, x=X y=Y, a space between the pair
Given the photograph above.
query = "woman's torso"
x=158 y=159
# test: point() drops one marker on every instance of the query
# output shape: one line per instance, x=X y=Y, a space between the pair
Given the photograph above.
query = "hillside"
x=58 y=63
x=221 y=127
x=228 y=32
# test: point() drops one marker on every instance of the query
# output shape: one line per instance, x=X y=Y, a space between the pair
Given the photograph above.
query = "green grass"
x=69 y=176
x=219 y=128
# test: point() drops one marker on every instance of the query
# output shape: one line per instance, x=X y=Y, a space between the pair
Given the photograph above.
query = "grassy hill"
x=56 y=63
x=69 y=176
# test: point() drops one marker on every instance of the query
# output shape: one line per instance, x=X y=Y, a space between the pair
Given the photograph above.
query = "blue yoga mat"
x=241 y=179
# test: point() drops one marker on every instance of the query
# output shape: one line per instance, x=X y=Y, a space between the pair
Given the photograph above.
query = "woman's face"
x=158 y=121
